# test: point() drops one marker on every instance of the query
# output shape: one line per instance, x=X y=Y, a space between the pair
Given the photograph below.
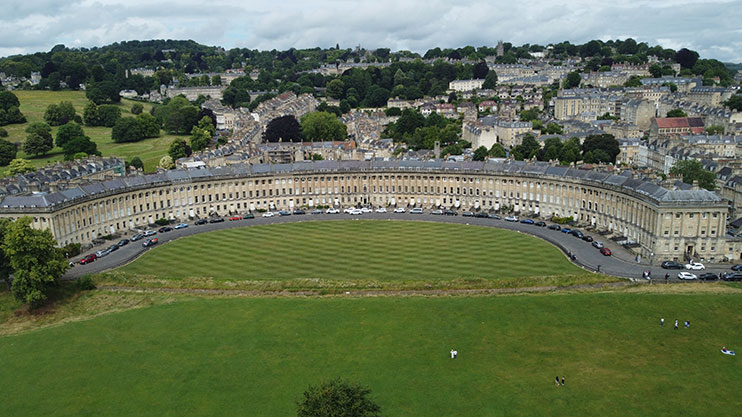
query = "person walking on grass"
x=676 y=324
x=662 y=322
x=562 y=381
x=557 y=381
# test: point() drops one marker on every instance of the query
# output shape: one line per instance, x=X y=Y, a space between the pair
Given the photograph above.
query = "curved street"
x=588 y=257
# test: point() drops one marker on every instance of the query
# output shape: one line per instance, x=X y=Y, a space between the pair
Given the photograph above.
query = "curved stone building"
x=666 y=224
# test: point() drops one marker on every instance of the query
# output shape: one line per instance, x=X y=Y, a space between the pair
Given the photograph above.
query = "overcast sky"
x=712 y=28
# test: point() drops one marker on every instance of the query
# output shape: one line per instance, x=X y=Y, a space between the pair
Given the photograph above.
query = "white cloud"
x=711 y=27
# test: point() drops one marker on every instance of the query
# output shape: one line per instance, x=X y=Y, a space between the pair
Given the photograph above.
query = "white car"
x=511 y=219
x=686 y=276
x=181 y=226
x=355 y=212
x=332 y=210
x=381 y=210
x=365 y=210
x=696 y=266
x=416 y=210
x=399 y=210
x=268 y=214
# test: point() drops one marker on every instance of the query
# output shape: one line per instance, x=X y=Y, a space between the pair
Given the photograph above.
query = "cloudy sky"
x=711 y=27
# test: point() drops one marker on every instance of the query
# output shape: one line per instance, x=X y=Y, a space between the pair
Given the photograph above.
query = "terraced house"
x=667 y=223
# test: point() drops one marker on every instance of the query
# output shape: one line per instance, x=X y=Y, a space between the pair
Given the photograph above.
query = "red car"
x=605 y=251
x=88 y=259
x=235 y=218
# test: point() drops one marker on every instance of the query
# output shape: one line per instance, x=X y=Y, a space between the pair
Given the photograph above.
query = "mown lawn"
x=355 y=251
x=33 y=106
x=254 y=357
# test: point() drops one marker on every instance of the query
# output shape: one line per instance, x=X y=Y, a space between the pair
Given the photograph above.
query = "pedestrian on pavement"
x=667 y=278
x=676 y=324
x=662 y=321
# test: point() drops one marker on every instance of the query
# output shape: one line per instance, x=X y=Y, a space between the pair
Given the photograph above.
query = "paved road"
x=586 y=255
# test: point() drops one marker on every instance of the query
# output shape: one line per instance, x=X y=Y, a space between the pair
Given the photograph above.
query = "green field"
x=254 y=357
x=33 y=106
x=360 y=253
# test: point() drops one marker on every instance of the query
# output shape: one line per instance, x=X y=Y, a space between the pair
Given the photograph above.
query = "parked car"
x=450 y=213
x=737 y=267
x=113 y=248
x=732 y=276
x=527 y=221
x=708 y=276
x=598 y=244
x=149 y=233
x=150 y=242
x=481 y=215
x=233 y=218
x=540 y=224
x=165 y=229
x=347 y=210
x=578 y=234
x=494 y=216
x=355 y=212
x=332 y=210
x=181 y=225
x=416 y=210
x=123 y=242
x=696 y=266
x=315 y=211
x=555 y=227
x=299 y=212
x=686 y=276
x=566 y=230
x=511 y=219
x=381 y=210
x=366 y=210
x=137 y=237
x=88 y=259
x=199 y=222
x=587 y=238
x=101 y=253
x=284 y=213
x=268 y=214
x=437 y=212
x=671 y=265
x=605 y=251
x=216 y=220
x=467 y=214
x=399 y=210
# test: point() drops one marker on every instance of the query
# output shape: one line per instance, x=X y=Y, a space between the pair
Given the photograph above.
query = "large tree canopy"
x=286 y=128
x=607 y=144
x=691 y=170
x=322 y=126
x=337 y=398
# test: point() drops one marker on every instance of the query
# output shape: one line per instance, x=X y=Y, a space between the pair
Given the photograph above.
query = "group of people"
x=454 y=353
x=557 y=381
x=686 y=323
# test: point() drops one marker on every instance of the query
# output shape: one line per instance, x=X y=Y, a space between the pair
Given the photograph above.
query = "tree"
x=91 y=114
x=150 y=125
x=481 y=70
x=553 y=129
x=686 y=58
x=715 y=130
x=317 y=157
x=570 y=152
x=497 y=151
x=137 y=108
x=36 y=262
x=8 y=151
x=337 y=398
x=9 y=112
x=8 y=100
x=734 y=102
x=77 y=145
x=286 y=128
x=20 y=166
x=676 y=113
x=179 y=149
x=200 y=138
x=59 y=114
x=39 y=139
x=480 y=154
x=67 y=132
x=108 y=115
x=573 y=80
x=127 y=129
x=528 y=148
x=655 y=70
x=335 y=89
x=178 y=116
x=103 y=92
x=691 y=170
x=3 y=133
x=321 y=126
x=166 y=162
x=490 y=80
x=633 y=81
x=604 y=142
x=136 y=162
x=5 y=269
x=235 y=97
x=393 y=111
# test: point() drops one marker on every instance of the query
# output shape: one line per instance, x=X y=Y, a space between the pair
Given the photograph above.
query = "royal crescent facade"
x=666 y=224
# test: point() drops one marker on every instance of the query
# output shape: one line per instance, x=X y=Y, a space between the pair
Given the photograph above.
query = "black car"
x=248 y=216
x=577 y=233
x=708 y=276
x=113 y=248
x=587 y=238
x=164 y=229
x=494 y=216
x=199 y=222
x=481 y=215
x=299 y=211
x=555 y=227
x=216 y=220
x=123 y=242
x=732 y=276
x=450 y=213
x=671 y=265
x=540 y=224
x=137 y=237
x=737 y=267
